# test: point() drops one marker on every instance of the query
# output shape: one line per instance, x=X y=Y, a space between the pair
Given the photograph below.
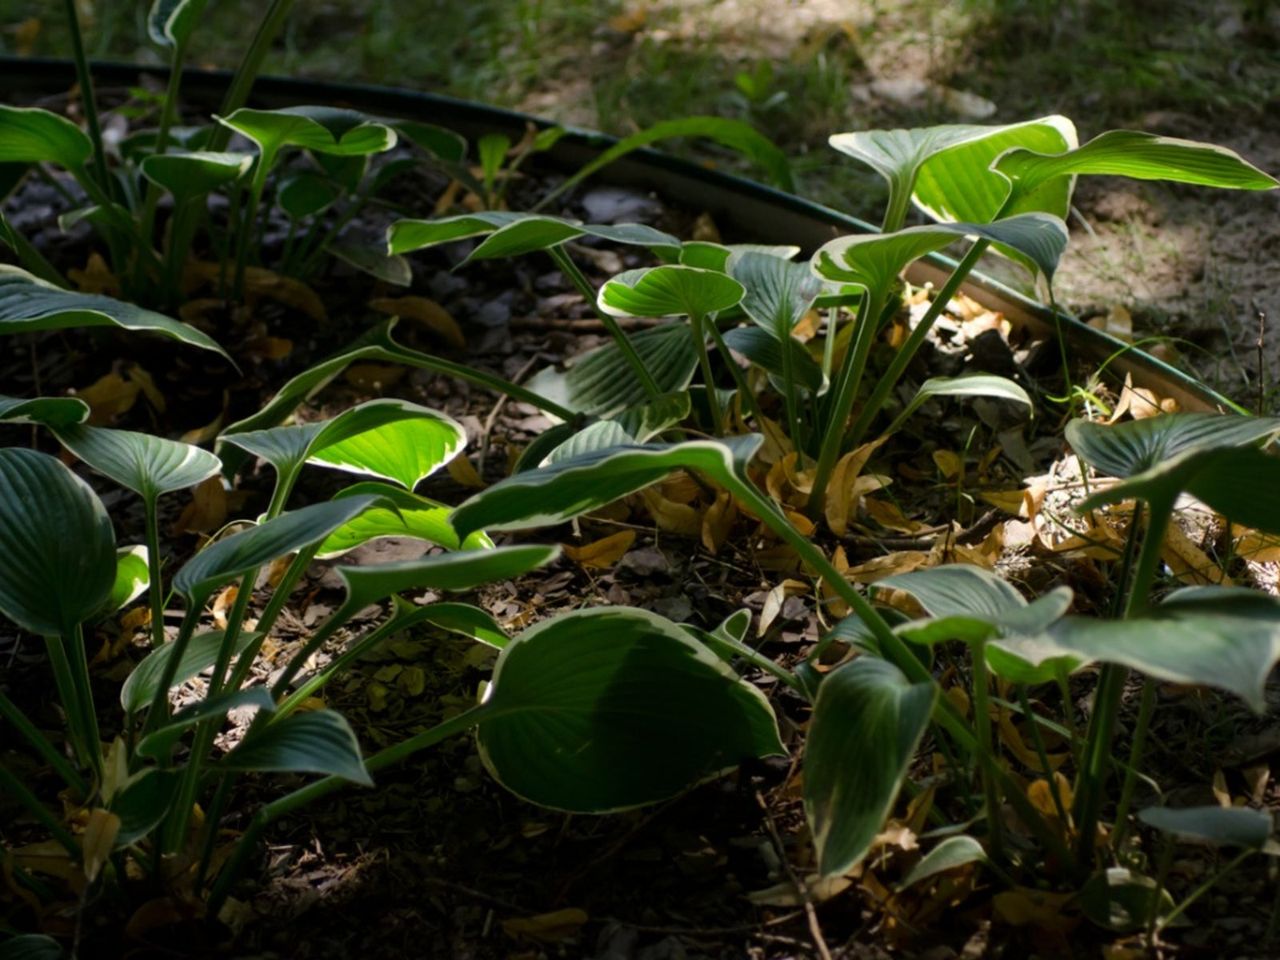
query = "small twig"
x=802 y=889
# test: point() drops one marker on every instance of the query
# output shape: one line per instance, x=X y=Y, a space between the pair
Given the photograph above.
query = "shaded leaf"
x=1216 y=826
x=320 y=741
x=139 y=688
x=146 y=464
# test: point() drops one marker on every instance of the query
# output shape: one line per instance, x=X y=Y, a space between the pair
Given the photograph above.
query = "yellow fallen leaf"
x=426 y=312
x=1254 y=546
x=903 y=561
x=222 y=603
x=948 y=463
x=844 y=490
x=890 y=516
x=199 y=435
x=785 y=894
x=547 y=927
x=603 y=553
x=774 y=601
x=96 y=277
x=1187 y=561
x=705 y=229
x=99 y=839
x=261 y=283
x=207 y=510
x=462 y=472
x=718 y=520
x=115 y=394
x=672 y=517
x=374 y=377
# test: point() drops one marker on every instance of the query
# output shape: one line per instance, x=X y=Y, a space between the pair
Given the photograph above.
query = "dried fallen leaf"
x=786 y=895
x=463 y=473
x=96 y=277
x=718 y=521
x=547 y=927
x=261 y=283
x=99 y=838
x=207 y=510
x=603 y=553
x=426 y=312
x=672 y=517
x=847 y=486
x=374 y=377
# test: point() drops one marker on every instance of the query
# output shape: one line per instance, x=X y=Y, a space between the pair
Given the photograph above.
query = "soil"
x=438 y=861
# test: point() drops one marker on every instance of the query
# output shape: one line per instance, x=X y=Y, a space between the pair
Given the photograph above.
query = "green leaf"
x=570 y=488
x=1216 y=826
x=143 y=804
x=28 y=304
x=57 y=549
x=970 y=385
x=139 y=687
x=373 y=260
x=407 y=515
x=601 y=435
x=765 y=350
x=1134 y=447
x=646 y=421
x=160 y=742
x=778 y=292
x=170 y=22
x=463 y=570
x=189 y=176
x=1122 y=900
x=946 y=168
x=867 y=723
x=146 y=464
x=31 y=946
x=438 y=141
x=715 y=256
x=951 y=853
x=320 y=129
x=49 y=411
x=959 y=589
x=610 y=708
x=387 y=438
x=1142 y=156
x=731 y=133
x=1201 y=636
x=320 y=741
x=602 y=383
x=874 y=260
x=223 y=561
x=132 y=578
x=306 y=194
x=669 y=291
x=31 y=135
x=510 y=234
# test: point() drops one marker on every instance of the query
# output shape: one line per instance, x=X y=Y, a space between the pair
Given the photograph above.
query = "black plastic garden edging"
x=748 y=211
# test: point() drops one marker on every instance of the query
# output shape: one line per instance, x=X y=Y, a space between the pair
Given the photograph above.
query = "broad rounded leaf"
x=509 y=234
x=146 y=464
x=318 y=128
x=764 y=349
x=143 y=804
x=139 y=688
x=239 y=553
x=959 y=589
x=31 y=135
x=1136 y=446
x=57 y=549
x=867 y=723
x=170 y=22
x=874 y=260
x=778 y=292
x=31 y=946
x=413 y=516
x=28 y=304
x=191 y=175
x=1142 y=156
x=320 y=741
x=1216 y=826
x=602 y=383
x=669 y=291
x=610 y=708
x=951 y=853
x=49 y=411
x=971 y=385
x=306 y=194
x=578 y=485
x=1121 y=899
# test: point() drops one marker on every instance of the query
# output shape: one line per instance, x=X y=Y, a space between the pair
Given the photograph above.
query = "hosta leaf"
x=601 y=435
x=146 y=464
x=31 y=135
x=1136 y=446
x=971 y=385
x=57 y=549
x=951 y=853
x=413 y=516
x=49 y=411
x=320 y=741
x=143 y=804
x=715 y=256
x=1217 y=826
x=223 y=561
x=957 y=177
x=160 y=742
x=874 y=260
x=170 y=22
x=132 y=578
x=31 y=946
x=669 y=291
x=1123 y=900
x=1201 y=636
x=602 y=382
x=778 y=292
x=438 y=141
x=373 y=260
x=28 y=304
x=463 y=570
x=765 y=350
x=646 y=421
x=306 y=194
x=867 y=723
x=510 y=234
x=317 y=128
x=610 y=708
x=191 y=175
x=139 y=687
x=392 y=439
x=1143 y=156
x=570 y=488
x=959 y=589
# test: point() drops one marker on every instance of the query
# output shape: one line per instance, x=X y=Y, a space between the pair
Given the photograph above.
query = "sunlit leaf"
x=413 y=516
x=191 y=175
x=867 y=723
x=321 y=129
x=609 y=708
x=132 y=578
x=669 y=291
x=49 y=411
x=778 y=292
x=509 y=234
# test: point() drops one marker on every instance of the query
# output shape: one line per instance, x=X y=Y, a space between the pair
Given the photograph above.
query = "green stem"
x=353 y=652
x=579 y=280
x=1162 y=876
x=791 y=396
x=744 y=389
x=247 y=71
x=698 y=334
x=855 y=362
x=31 y=259
x=1038 y=739
x=140 y=245
x=889 y=379
x=156 y=586
x=40 y=743
x=270 y=613
x=318 y=640
x=79 y=658
x=895 y=213
x=15 y=789
x=168 y=115
x=250 y=217
x=986 y=746
x=1146 y=708
x=159 y=711
x=64 y=680
x=87 y=99
x=321 y=788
